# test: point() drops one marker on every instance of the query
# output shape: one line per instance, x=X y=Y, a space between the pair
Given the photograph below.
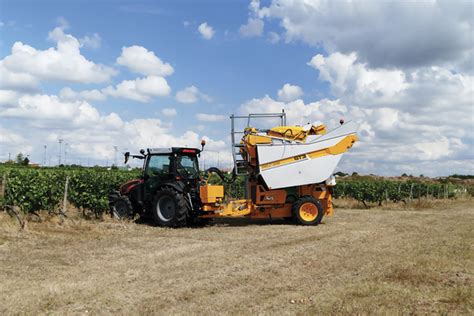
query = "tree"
x=19 y=159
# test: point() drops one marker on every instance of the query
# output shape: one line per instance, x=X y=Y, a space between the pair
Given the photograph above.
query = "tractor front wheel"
x=120 y=206
x=307 y=211
x=170 y=208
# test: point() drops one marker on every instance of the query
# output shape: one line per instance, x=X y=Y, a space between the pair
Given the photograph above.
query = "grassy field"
x=359 y=261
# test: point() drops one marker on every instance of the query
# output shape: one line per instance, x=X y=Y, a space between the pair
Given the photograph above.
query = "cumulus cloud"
x=253 y=28
x=191 y=94
x=289 y=92
x=401 y=34
x=92 y=41
x=26 y=66
x=31 y=118
x=141 y=89
x=349 y=77
x=210 y=117
x=90 y=134
x=17 y=80
x=169 y=112
x=140 y=60
x=44 y=110
x=206 y=31
x=13 y=143
x=90 y=95
x=273 y=37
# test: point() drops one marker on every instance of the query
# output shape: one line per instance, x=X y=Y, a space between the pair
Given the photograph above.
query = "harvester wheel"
x=170 y=208
x=307 y=211
x=120 y=206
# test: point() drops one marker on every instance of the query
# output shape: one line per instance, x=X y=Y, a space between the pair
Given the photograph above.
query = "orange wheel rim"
x=308 y=211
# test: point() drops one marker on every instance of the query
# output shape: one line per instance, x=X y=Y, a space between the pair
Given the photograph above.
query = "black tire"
x=170 y=208
x=120 y=206
x=313 y=217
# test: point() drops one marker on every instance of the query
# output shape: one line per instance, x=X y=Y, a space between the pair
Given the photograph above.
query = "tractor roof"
x=169 y=150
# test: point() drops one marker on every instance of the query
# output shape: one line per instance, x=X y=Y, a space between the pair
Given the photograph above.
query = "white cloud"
x=47 y=117
x=12 y=143
x=210 y=117
x=90 y=95
x=289 y=92
x=140 y=60
x=206 y=31
x=349 y=77
x=63 y=23
x=17 y=80
x=253 y=28
x=9 y=138
x=46 y=110
x=191 y=94
x=273 y=37
x=8 y=98
x=63 y=63
x=403 y=34
x=93 y=41
x=141 y=89
x=169 y=112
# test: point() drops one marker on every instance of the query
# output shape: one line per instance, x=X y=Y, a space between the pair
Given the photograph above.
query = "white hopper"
x=286 y=164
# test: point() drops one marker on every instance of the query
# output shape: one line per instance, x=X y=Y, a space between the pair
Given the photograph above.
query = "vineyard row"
x=43 y=189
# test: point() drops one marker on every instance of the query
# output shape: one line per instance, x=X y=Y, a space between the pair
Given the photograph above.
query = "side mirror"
x=127 y=155
x=142 y=151
x=203 y=143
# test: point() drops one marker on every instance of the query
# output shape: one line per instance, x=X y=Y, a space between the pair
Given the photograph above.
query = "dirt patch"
x=359 y=261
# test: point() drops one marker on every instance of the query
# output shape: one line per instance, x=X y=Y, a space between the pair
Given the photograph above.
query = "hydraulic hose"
x=221 y=175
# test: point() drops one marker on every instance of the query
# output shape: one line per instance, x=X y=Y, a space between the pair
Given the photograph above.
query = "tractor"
x=287 y=171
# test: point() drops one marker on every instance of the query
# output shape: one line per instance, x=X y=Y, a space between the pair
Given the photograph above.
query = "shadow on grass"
x=226 y=222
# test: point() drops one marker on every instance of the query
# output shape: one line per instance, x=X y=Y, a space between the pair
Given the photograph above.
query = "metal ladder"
x=240 y=164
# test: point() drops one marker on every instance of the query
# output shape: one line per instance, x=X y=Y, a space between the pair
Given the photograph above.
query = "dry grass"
x=359 y=261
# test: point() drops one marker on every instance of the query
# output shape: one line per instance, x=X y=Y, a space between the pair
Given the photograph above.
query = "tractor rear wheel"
x=307 y=211
x=170 y=208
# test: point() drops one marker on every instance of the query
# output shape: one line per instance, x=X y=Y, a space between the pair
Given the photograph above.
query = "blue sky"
x=398 y=69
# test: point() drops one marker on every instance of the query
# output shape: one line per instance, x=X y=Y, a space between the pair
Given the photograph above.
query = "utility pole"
x=9 y=156
x=44 y=159
x=59 y=158
x=65 y=154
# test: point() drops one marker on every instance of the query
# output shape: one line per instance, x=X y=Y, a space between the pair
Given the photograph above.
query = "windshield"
x=187 y=166
x=158 y=165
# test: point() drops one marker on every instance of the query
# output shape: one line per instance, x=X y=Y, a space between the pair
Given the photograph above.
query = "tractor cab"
x=172 y=163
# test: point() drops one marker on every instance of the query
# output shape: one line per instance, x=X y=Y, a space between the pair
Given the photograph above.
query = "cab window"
x=158 y=165
x=188 y=166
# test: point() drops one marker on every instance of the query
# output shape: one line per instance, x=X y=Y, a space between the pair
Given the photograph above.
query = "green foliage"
x=33 y=190
x=377 y=191
x=43 y=189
